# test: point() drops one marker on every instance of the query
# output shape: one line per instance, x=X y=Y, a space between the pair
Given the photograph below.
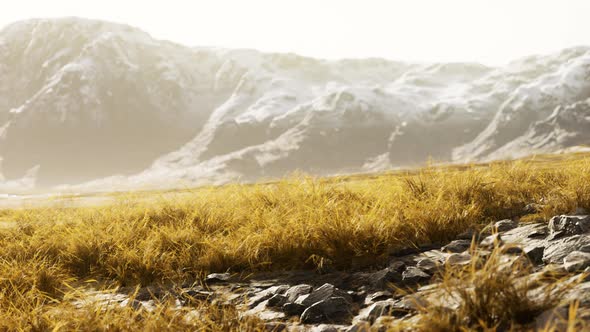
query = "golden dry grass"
x=347 y=222
x=494 y=292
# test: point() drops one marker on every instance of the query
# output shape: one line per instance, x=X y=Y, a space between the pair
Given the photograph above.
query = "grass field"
x=50 y=254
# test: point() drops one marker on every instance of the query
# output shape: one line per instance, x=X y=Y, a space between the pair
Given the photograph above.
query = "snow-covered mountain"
x=103 y=105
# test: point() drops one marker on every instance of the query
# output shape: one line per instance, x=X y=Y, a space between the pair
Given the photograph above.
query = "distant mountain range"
x=97 y=105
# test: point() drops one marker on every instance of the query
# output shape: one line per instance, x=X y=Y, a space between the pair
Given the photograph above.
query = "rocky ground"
x=371 y=300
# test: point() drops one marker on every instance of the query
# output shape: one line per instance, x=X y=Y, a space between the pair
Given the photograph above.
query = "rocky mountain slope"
x=101 y=105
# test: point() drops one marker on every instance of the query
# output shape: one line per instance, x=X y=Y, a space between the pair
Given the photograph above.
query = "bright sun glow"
x=491 y=32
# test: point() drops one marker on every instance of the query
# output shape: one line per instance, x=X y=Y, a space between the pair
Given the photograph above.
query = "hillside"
x=499 y=246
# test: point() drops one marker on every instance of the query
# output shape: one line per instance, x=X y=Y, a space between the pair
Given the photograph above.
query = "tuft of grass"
x=493 y=292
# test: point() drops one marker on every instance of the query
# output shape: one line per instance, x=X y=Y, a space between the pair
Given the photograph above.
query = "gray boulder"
x=293 y=309
x=397 y=266
x=265 y=295
x=535 y=253
x=556 y=250
x=427 y=265
x=569 y=225
x=328 y=328
x=457 y=246
x=295 y=292
x=382 y=278
x=324 y=292
x=494 y=240
x=458 y=259
x=277 y=300
x=333 y=309
x=376 y=310
x=217 y=278
x=414 y=275
x=505 y=225
x=378 y=296
x=576 y=261
x=360 y=327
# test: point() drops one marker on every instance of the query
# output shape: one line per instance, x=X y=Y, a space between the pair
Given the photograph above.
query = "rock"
x=266 y=294
x=457 y=246
x=525 y=232
x=333 y=309
x=262 y=283
x=580 y=293
x=324 y=292
x=327 y=328
x=580 y=211
x=261 y=311
x=378 y=296
x=381 y=279
x=360 y=327
x=412 y=250
x=535 y=254
x=427 y=265
x=512 y=250
x=277 y=289
x=357 y=296
x=277 y=300
x=494 y=240
x=295 y=292
x=576 y=261
x=538 y=233
x=293 y=309
x=397 y=266
x=414 y=275
x=407 y=304
x=569 y=225
x=455 y=259
x=555 y=235
x=217 y=278
x=257 y=299
x=301 y=298
x=376 y=310
x=505 y=225
x=556 y=250
x=297 y=328
x=435 y=255
x=520 y=262
x=553 y=319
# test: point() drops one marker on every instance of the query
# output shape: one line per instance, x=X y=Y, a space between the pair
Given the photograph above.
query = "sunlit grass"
x=493 y=292
x=345 y=223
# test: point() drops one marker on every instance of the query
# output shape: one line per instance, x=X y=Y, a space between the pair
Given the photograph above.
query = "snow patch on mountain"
x=102 y=106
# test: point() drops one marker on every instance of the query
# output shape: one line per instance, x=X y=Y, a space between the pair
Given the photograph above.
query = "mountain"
x=98 y=105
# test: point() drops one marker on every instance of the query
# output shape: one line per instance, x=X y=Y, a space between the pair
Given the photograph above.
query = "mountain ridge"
x=91 y=104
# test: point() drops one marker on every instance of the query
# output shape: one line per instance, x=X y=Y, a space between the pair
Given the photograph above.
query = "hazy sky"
x=488 y=31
